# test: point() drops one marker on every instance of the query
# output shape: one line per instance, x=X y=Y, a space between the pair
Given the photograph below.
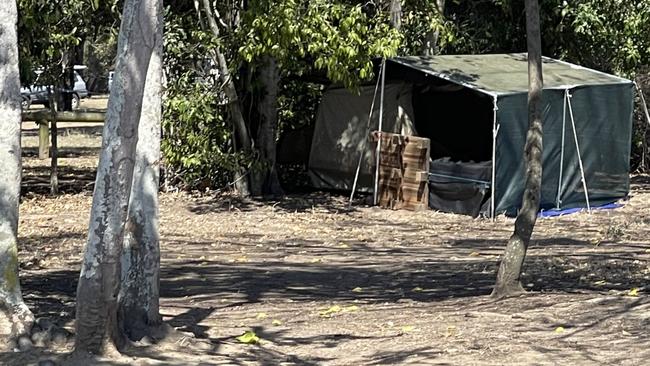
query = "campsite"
x=427 y=97
x=411 y=288
x=324 y=182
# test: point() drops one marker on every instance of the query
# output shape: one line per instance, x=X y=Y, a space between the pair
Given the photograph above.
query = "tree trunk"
x=139 y=293
x=242 y=135
x=396 y=14
x=508 y=279
x=11 y=297
x=432 y=37
x=266 y=181
x=54 y=101
x=97 y=291
x=67 y=82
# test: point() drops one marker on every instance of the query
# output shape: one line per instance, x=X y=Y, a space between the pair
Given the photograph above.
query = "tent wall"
x=603 y=119
x=341 y=133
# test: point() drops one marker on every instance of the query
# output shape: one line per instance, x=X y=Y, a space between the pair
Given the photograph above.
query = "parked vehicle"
x=110 y=80
x=38 y=94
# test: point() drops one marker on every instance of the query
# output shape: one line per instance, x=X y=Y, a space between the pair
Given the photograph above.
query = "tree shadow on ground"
x=72 y=180
x=306 y=202
x=386 y=275
x=95 y=129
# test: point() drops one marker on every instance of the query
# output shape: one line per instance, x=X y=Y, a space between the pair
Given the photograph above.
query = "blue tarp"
x=569 y=211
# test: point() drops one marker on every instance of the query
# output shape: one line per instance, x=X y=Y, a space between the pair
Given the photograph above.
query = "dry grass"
x=410 y=288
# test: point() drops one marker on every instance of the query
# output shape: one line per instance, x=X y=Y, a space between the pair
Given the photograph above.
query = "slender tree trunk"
x=67 y=82
x=54 y=101
x=431 y=38
x=97 y=291
x=242 y=134
x=396 y=14
x=266 y=181
x=11 y=298
x=140 y=289
x=508 y=282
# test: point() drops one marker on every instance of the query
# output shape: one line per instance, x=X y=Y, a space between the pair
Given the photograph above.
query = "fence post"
x=43 y=139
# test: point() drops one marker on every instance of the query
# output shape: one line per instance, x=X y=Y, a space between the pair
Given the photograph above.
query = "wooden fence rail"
x=46 y=119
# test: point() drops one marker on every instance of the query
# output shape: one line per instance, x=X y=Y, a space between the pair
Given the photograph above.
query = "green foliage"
x=49 y=30
x=99 y=55
x=422 y=17
x=196 y=137
x=197 y=144
x=337 y=40
x=322 y=35
x=297 y=104
x=609 y=35
x=491 y=26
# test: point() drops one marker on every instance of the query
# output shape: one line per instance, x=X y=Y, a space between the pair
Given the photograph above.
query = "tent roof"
x=501 y=74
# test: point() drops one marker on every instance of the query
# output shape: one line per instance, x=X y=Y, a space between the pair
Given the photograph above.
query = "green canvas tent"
x=474 y=110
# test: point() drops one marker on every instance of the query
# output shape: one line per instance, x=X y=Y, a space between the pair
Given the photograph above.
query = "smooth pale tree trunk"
x=508 y=278
x=54 y=97
x=266 y=181
x=242 y=135
x=431 y=38
x=139 y=293
x=396 y=14
x=97 y=292
x=11 y=297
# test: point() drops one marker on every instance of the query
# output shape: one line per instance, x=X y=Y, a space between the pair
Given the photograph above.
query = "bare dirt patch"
x=321 y=284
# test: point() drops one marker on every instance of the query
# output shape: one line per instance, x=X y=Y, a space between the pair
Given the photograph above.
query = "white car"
x=37 y=94
x=110 y=79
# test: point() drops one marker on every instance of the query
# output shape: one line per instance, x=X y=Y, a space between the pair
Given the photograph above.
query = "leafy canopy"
x=318 y=35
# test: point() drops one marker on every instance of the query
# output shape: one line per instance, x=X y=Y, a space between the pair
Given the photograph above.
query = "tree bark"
x=242 y=135
x=139 y=293
x=11 y=298
x=99 y=280
x=266 y=181
x=432 y=37
x=508 y=278
x=53 y=97
x=396 y=14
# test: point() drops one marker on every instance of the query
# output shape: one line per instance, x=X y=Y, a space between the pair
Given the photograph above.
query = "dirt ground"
x=321 y=284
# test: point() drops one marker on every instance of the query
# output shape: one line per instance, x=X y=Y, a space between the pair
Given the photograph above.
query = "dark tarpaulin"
x=451 y=100
x=603 y=120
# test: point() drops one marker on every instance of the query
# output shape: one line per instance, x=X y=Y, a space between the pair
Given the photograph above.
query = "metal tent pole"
x=559 y=183
x=575 y=136
x=381 y=118
x=643 y=104
x=495 y=132
x=365 y=141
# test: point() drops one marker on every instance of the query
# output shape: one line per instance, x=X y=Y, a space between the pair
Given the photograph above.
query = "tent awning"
x=503 y=74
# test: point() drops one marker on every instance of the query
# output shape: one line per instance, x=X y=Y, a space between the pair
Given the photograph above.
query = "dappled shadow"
x=95 y=129
x=72 y=180
x=399 y=357
x=305 y=202
x=189 y=321
x=640 y=183
x=51 y=294
x=35 y=356
x=386 y=275
x=595 y=319
x=396 y=274
x=272 y=280
x=292 y=265
x=65 y=152
x=294 y=178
